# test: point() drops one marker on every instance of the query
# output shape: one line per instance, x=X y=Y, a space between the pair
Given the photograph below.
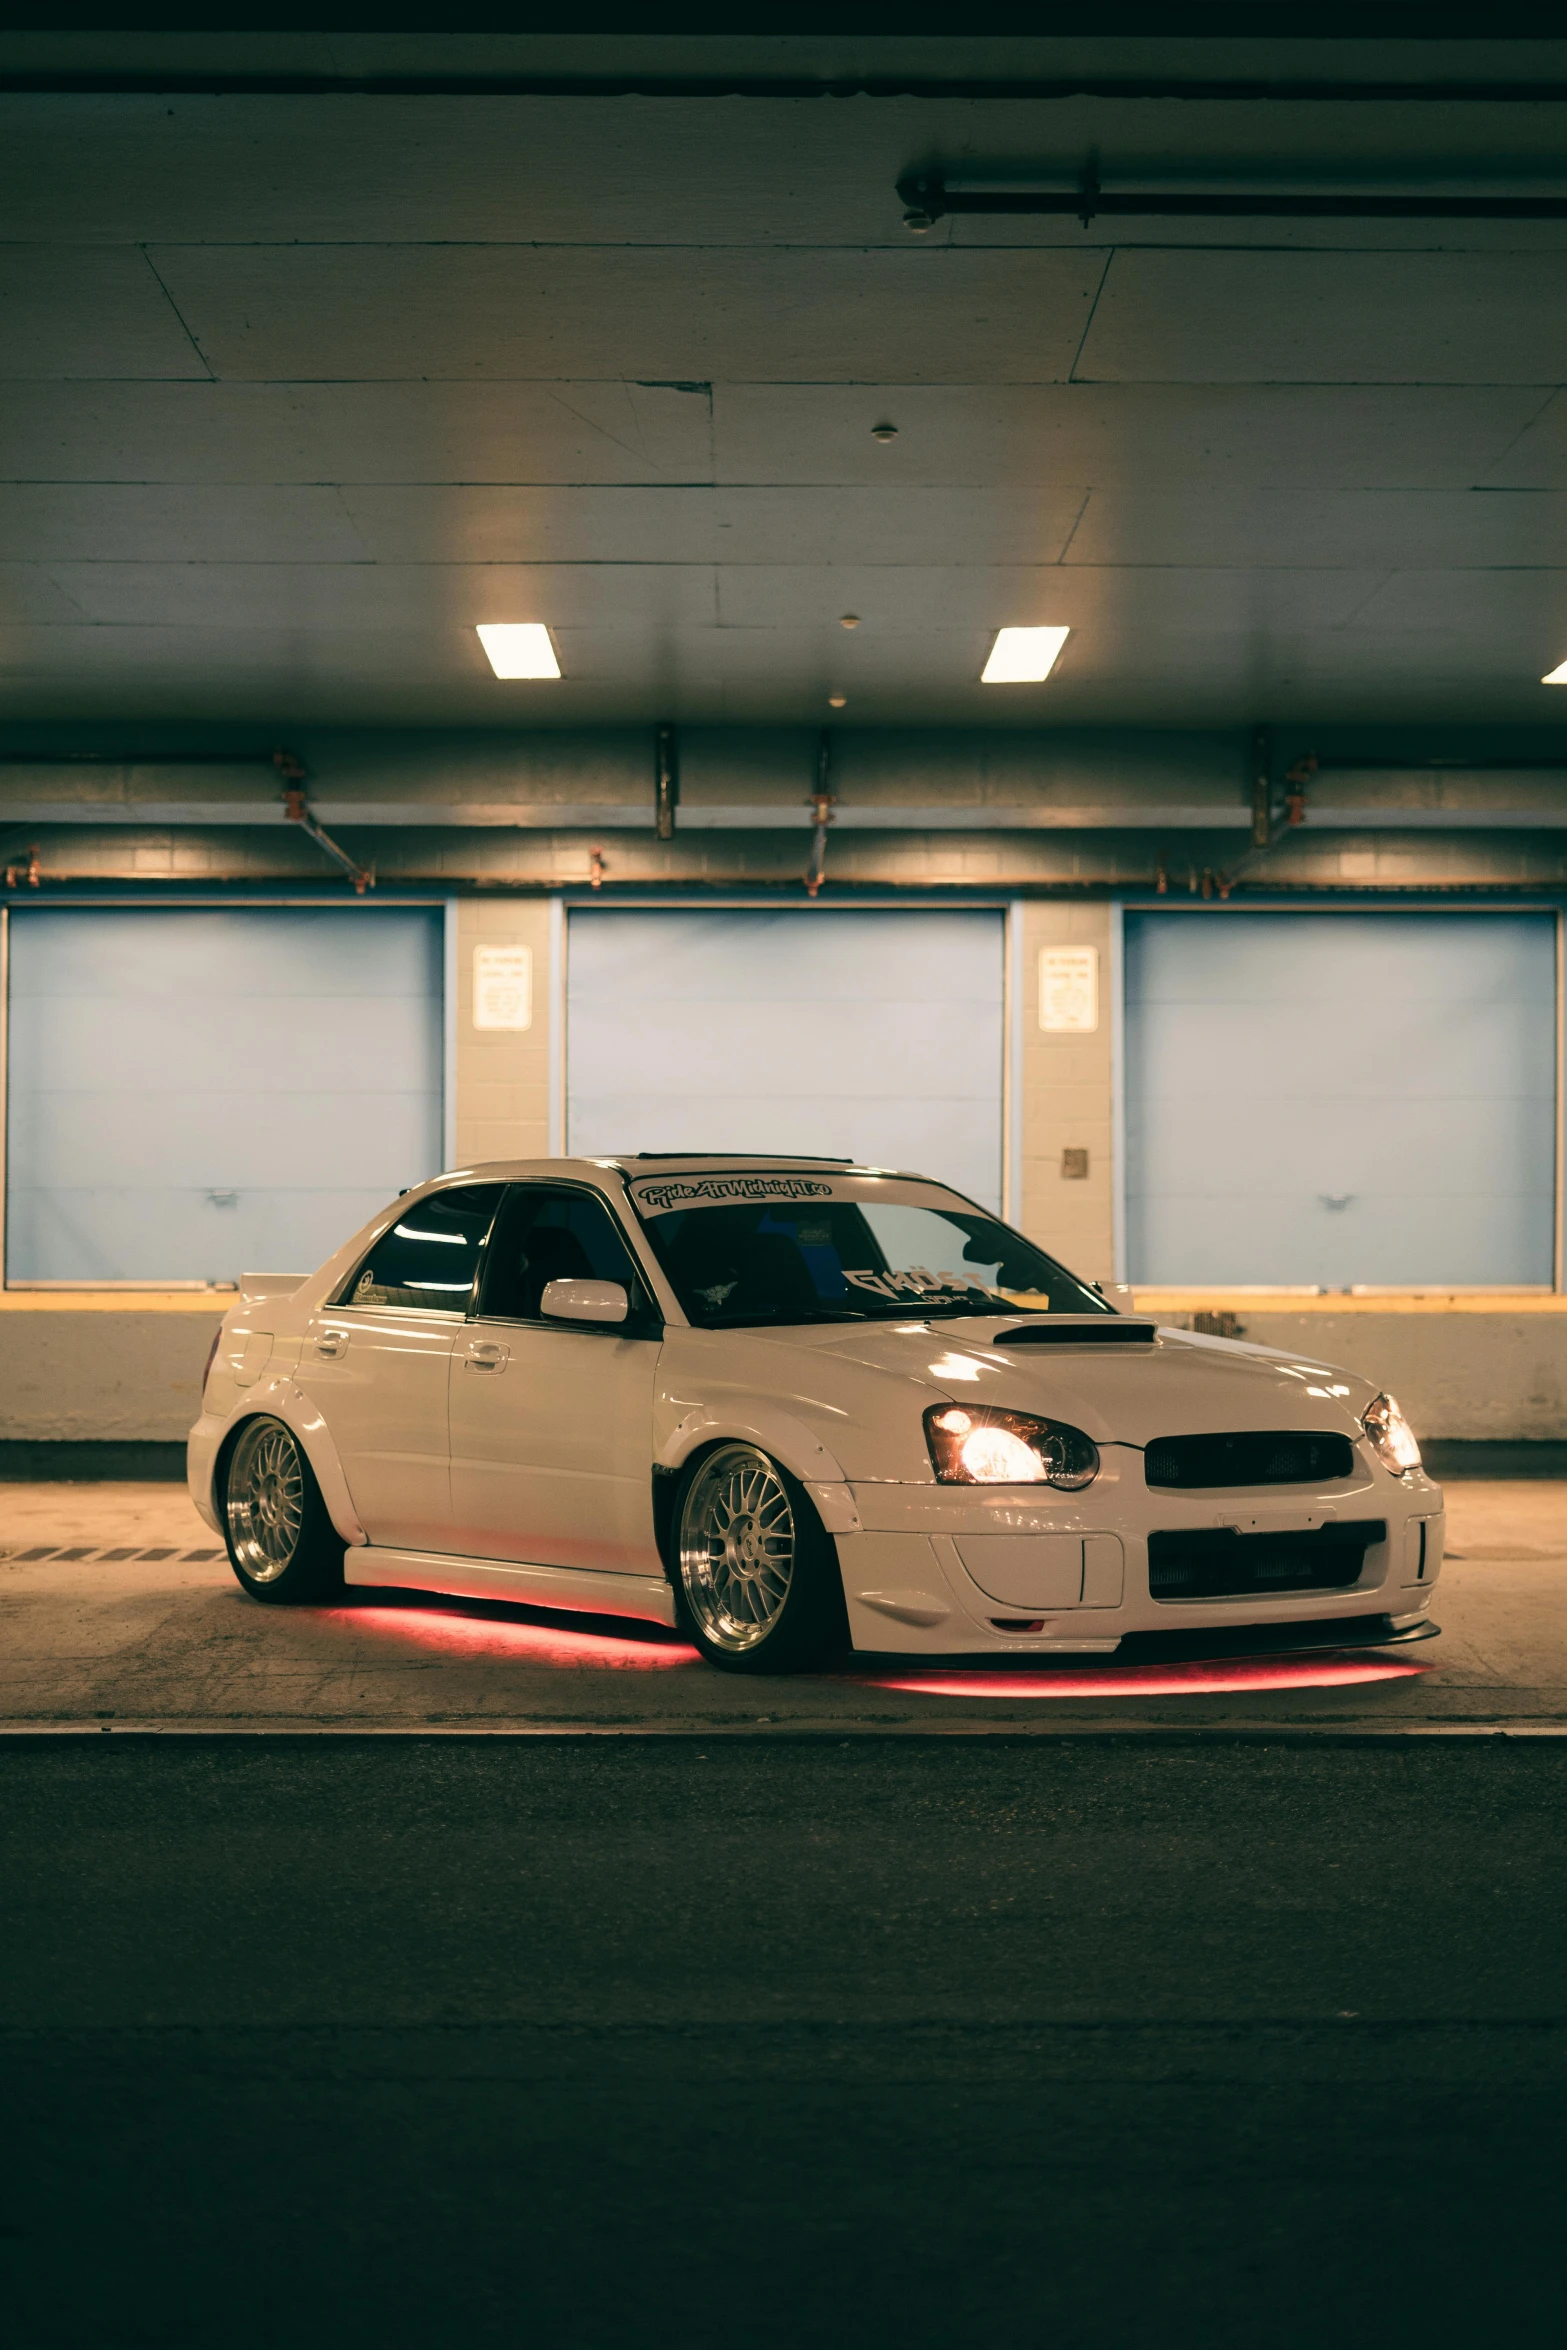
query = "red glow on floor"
x=1221 y=1678
x=518 y=1643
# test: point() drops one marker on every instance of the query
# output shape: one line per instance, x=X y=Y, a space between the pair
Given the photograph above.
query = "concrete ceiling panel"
x=907 y=600
x=1537 y=457
x=1350 y=318
x=372 y=596
x=407 y=523
x=1282 y=530
x=249 y=433
x=1484 y=616
x=176 y=522
x=87 y=311
x=31 y=596
x=498 y=170
x=1120 y=435
x=360 y=312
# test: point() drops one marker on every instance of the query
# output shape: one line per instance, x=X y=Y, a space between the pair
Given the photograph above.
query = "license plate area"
x=1217 y=1562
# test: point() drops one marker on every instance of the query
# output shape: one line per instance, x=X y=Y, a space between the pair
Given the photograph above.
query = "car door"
x=375 y=1364
x=551 y=1421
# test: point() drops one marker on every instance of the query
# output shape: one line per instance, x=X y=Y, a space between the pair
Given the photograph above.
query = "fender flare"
x=280 y=1399
x=752 y=1420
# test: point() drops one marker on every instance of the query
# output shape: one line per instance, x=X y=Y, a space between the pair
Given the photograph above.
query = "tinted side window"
x=430 y=1255
x=549 y=1236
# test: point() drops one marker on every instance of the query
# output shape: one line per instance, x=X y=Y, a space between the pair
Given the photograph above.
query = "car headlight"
x=973 y=1447
x=1392 y=1438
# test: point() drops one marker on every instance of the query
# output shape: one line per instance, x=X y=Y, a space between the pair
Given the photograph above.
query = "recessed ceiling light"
x=836 y=701
x=884 y=432
x=1022 y=656
x=850 y=620
x=519 y=648
x=1558 y=676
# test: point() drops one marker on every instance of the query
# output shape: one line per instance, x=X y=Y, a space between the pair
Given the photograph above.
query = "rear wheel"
x=281 y=1543
x=757 y=1576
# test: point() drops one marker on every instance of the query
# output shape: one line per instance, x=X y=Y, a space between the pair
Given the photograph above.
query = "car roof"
x=631 y=1164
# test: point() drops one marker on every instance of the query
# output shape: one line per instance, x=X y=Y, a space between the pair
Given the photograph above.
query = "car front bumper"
x=962 y=1570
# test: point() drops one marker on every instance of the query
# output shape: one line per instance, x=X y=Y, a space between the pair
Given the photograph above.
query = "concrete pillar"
x=503 y=1075
x=1066 y=1105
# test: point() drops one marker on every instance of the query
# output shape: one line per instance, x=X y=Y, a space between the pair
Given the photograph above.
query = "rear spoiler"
x=253 y=1287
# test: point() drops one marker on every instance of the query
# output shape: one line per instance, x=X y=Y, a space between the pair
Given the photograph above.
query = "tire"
x=282 y=1545
x=757 y=1585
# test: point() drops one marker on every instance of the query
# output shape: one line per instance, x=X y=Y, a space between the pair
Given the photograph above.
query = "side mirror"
x=584 y=1301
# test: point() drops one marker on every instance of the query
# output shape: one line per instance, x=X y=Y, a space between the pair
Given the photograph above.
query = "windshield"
x=852 y=1249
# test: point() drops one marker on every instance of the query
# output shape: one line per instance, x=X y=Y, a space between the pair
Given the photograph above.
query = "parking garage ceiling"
x=310 y=364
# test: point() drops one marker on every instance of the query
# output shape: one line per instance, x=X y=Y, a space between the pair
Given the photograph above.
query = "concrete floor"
x=172 y=1644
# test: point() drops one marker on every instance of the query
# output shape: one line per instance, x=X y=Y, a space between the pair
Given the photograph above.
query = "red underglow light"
x=1234 y=1676
x=518 y=1643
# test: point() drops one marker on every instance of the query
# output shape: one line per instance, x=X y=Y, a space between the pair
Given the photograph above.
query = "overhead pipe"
x=1034 y=89
x=296 y=810
x=928 y=196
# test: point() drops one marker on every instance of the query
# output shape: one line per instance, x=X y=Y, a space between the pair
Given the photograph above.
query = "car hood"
x=1182 y=1383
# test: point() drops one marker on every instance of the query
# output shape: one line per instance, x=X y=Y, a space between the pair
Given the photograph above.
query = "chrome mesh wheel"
x=264 y=1501
x=737 y=1547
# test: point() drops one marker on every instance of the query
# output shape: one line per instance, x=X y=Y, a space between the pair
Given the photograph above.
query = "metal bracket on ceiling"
x=1296 y=779
x=821 y=803
x=1214 y=880
x=928 y=196
x=297 y=811
x=1261 y=786
x=666 y=781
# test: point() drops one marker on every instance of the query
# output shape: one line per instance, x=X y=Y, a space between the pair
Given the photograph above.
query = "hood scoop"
x=1114 y=1330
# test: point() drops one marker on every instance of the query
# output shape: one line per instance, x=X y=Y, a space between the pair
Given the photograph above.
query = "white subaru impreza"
x=795 y=1407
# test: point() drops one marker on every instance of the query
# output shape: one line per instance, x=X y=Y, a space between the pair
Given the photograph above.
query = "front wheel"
x=281 y=1543
x=757 y=1576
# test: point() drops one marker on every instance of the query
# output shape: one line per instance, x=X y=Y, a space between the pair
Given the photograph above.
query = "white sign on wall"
x=1069 y=989
x=503 y=987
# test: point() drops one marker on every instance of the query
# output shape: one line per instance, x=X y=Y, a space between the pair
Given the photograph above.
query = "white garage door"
x=196 y=1093
x=1341 y=1098
x=866 y=1035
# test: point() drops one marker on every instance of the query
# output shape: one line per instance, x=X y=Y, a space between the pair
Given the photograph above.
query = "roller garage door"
x=1341 y=1098
x=870 y=1035
x=193 y=1093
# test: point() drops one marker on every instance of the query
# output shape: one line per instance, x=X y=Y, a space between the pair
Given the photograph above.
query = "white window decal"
x=682 y=1191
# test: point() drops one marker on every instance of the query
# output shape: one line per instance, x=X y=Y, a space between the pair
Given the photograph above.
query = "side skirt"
x=578 y=1589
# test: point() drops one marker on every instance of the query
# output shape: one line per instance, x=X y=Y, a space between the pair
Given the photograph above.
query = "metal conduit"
x=928 y=197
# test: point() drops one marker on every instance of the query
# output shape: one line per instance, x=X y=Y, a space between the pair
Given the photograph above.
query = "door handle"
x=485 y=1354
x=331 y=1343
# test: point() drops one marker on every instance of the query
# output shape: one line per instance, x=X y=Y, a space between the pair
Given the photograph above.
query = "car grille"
x=1215 y=1562
x=1269 y=1456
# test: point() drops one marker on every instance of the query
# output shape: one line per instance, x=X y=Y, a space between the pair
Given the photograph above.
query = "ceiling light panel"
x=1556 y=676
x=1023 y=656
x=519 y=648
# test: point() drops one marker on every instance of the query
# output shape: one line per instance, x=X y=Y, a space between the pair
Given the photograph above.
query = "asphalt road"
x=620 y=2041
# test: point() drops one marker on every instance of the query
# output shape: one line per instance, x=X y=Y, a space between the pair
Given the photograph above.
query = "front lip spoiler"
x=1222 y=1640
x=1324 y=1634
